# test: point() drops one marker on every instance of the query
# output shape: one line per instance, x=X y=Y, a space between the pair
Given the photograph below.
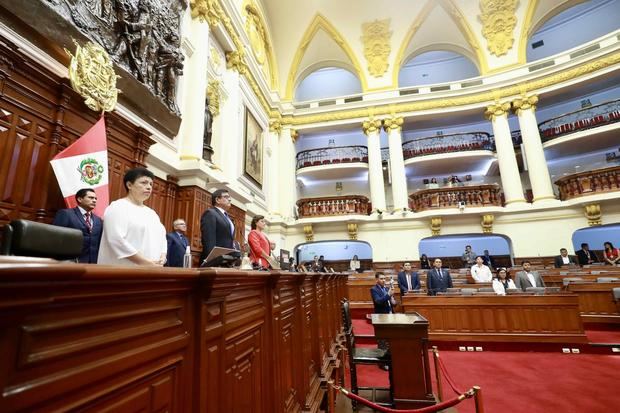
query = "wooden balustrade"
x=99 y=338
x=336 y=205
x=472 y=196
x=598 y=181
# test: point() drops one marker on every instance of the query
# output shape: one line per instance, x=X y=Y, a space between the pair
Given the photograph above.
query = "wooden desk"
x=407 y=335
x=596 y=302
x=549 y=318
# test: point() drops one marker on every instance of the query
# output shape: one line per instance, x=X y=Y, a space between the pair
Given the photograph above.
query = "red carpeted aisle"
x=525 y=382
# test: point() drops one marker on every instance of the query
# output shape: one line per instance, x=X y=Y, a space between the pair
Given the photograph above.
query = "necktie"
x=440 y=276
x=409 y=281
x=232 y=225
x=89 y=224
x=183 y=240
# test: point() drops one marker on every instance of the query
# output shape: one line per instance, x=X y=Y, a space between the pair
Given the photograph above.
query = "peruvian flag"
x=84 y=164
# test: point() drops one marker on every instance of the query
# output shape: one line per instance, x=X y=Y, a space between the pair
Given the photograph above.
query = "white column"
x=228 y=129
x=371 y=128
x=393 y=126
x=542 y=189
x=194 y=92
x=286 y=167
x=272 y=183
x=508 y=168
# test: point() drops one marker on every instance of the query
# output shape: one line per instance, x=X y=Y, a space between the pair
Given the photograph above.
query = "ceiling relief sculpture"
x=256 y=33
x=498 y=24
x=141 y=36
x=376 y=40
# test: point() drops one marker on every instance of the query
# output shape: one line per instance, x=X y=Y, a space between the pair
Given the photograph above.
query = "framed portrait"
x=253 y=159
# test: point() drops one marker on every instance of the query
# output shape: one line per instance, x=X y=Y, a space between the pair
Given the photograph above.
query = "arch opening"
x=436 y=66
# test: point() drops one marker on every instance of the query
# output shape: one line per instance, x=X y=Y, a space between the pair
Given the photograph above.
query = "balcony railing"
x=582 y=119
x=332 y=155
x=458 y=142
x=471 y=196
x=330 y=206
x=598 y=181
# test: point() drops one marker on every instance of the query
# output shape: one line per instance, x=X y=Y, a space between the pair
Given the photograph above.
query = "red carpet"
x=526 y=381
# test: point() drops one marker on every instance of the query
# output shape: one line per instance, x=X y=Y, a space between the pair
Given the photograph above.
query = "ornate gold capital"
x=496 y=110
x=236 y=60
x=393 y=123
x=294 y=135
x=214 y=93
x=352 y=229
x=593 y=213
x=208 y=11
x=498 y=23
x=525 y=103
x=376 y=40
x=436 y=225
x=487 y=223
x=275 y=125
x=308 y=231
x=371 y=126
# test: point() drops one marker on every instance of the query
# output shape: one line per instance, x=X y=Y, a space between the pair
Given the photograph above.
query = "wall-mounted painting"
x=253 y=162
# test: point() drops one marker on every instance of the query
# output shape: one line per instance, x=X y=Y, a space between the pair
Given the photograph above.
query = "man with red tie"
x=82 y=217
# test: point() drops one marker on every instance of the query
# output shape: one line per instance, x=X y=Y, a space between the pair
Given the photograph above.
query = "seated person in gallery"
x=502 y=282
x=433 y=184
x=611 y=254
x=382 y=295
x=528 y=278
x=454 y=181
x=424 y=262
x=480 y=272
x=408 y=280
x=585 y=256
x=564 y=259
x=438 y=279
x=354 y=264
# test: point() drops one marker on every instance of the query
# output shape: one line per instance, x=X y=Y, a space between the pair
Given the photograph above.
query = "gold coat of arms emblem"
x=92 y=76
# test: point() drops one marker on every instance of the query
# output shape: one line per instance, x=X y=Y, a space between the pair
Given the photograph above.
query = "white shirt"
x=129 y=229
x=499 y=288
x=566 y=260
x=530 y=277
x=354 y=265
x=232 y=225
x=481 y=274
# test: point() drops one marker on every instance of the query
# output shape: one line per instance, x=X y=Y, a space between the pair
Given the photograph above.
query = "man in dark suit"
x=177 y=244
x=216 y=227
x=564 y=259
x=382 y=296
x=528 y=278
x=585 y=256
x=408 y=280
x=438 y=279
x=81 y=217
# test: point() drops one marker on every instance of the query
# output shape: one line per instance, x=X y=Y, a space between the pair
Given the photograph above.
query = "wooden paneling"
x=596 y=302
x=549 y=318
x=94 y=338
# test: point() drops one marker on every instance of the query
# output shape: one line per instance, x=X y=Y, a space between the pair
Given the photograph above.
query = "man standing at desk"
x=408 y=280
x=438 y=279
x=382 y=296
x=216 y=227
x=528 y=278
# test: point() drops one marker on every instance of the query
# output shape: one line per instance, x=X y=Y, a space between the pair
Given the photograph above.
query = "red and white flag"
x=84 y=164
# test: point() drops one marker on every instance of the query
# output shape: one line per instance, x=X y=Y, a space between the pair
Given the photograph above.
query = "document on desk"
x=217 y=252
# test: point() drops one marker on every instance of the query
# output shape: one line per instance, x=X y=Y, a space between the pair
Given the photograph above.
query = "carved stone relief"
x=376 y=39
x=142 y=36
x=498 y=24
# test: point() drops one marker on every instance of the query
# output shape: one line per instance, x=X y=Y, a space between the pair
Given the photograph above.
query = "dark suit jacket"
x=522 y=281
x=72 y=218
x=559 y=263
x=402 y=281
x=381 y=299
x=583 y=258
x=435 y=283
x=215 y=230
x=176 y=249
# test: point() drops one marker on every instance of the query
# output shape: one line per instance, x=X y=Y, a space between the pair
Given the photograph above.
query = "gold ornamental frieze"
x=92 y=76
x=376 y=39
x=498 y=24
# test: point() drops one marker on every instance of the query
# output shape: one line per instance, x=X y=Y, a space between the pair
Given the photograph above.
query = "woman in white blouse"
x=132 y=232
x=502 y=282
x=354 y=264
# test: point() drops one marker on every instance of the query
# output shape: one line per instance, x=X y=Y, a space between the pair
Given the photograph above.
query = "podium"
x=407 y=335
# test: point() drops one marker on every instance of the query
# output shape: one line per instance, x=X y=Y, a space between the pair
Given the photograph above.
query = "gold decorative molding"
x=214 y=93
x=308 y=231
x=92 y=76
x=496 y=110
x=208 y=11
x=498 y=24
x=436 y=225
x=524 y=103
x=371 y=126
x=236 y=60
x=352 y=229
x=593 y=213
x=294 y=135
x=393 y=123
x=256 y=33
x=376 y=40
x=275 y=125
x=487 y=223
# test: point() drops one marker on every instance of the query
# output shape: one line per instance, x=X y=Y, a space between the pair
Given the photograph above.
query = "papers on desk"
x=217 y=252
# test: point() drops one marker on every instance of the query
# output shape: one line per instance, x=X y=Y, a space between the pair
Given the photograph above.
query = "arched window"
x=327 y=82
x=437 y=66
x=574 y=27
